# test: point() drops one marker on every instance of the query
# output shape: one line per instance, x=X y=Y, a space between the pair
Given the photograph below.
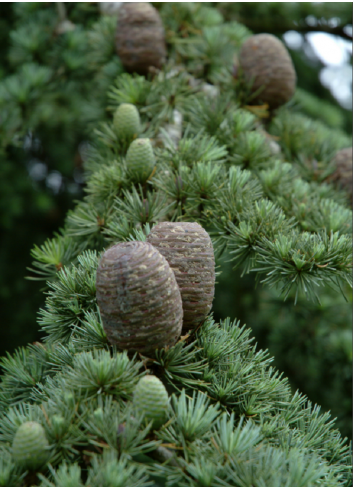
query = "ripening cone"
x=140 y=37
x=140 y=160
x=188 y=249
x=126 y=122
x=139 y=298
x=267 y=64
x=151 y=400
x=30 y=448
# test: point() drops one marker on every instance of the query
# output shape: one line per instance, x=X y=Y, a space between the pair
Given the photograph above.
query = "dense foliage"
x=257 y=183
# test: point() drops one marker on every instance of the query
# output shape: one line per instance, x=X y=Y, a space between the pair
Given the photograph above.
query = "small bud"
x=302 y=208
x=30 y=448
x=98 y=414
x=69 y=399
x=140 y=160
x=126 y=122
x=151 y=400
x=58 y=423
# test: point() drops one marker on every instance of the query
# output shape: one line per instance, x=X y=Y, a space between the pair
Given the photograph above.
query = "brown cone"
x=265 y=60
x=139 y=298
x=343 y=173
x=189 y=251
x=140 y=37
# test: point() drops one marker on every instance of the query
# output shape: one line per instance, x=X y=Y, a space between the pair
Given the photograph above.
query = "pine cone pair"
x=145 y=289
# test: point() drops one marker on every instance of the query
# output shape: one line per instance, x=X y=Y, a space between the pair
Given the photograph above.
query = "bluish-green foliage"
x=232 y=419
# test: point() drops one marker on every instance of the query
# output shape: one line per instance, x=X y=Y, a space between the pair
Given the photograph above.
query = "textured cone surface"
x=151 y=399
x=30 y=447
x=139 y=298
x=127 y=122
x=265 y=61
x=343 y=173
x=140 y=37
x=140 y=160
x=189 y=251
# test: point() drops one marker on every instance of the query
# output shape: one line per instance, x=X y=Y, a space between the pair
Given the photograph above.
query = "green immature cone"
x=151 y=400
x=140 y=160
x=30 y=448
x=127 y=122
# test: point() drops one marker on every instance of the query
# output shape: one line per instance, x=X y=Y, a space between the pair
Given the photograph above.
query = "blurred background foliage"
x=57 y=61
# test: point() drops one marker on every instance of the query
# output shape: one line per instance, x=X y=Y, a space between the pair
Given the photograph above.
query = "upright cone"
x=189 y=251
x=139 y=298
x=267 y=64
x=140 y=38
